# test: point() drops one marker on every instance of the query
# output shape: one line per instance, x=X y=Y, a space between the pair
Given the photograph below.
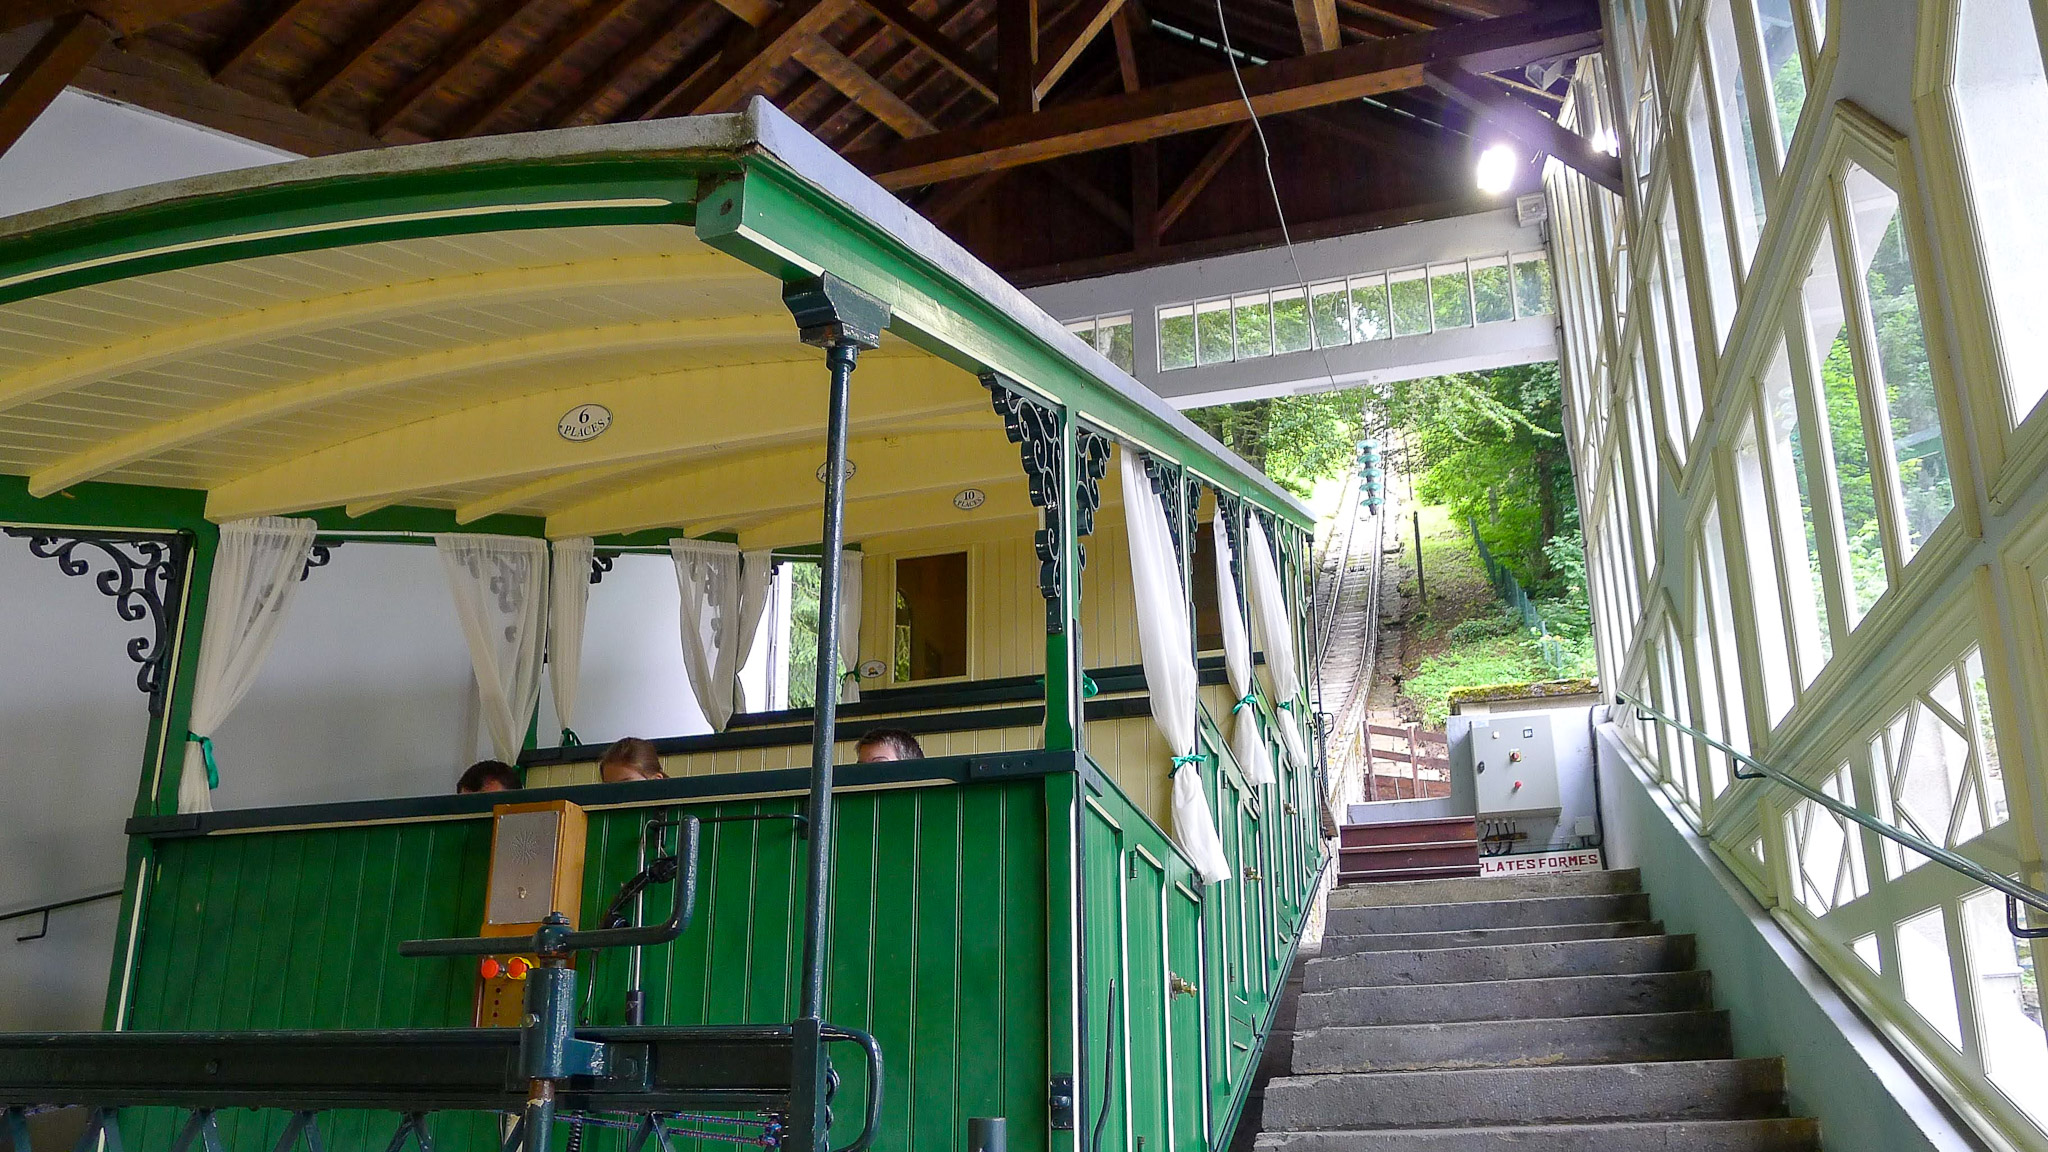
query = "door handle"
x=1180 y=987
x=1252 y=875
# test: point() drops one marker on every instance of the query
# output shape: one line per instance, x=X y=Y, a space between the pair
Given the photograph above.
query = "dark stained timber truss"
x=145 y=576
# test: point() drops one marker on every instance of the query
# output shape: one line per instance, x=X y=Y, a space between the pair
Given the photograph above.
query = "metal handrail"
x=54 y=906
x=2015 y=892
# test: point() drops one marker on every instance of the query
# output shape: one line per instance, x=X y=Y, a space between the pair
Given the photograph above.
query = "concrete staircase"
x=1538 y=1014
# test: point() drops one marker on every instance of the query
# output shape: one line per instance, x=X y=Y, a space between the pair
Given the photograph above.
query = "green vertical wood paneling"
x=938 y=947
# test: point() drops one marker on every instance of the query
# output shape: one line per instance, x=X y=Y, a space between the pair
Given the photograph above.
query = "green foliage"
x=1295 y=440
x=803 y=635
x=1507 y=660
x=1484 y=628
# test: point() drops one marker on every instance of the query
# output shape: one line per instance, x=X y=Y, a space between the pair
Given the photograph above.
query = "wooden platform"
x=1408 y=850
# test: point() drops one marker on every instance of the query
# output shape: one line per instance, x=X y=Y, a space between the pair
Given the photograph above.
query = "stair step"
x=1490 y=914
x=1501 y=962
x=1481 y=937
x=1776 y=1135
x=1565 y=1093
x=1629 y=1039
x=1489 y=888
x=1408 y=831
x=1446 y=871
x=1507 y=1000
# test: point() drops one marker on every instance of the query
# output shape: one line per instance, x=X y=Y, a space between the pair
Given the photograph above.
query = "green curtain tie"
x=1249 y=699
x=1088 y=688
x=1285 y=705
x=206 y=751
x=1195 y=759
x=570 y=739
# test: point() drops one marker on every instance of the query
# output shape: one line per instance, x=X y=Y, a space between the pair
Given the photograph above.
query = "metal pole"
x=840 y=359
x=1421 y=589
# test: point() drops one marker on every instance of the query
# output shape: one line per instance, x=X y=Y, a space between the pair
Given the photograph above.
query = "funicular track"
x=1348 y=578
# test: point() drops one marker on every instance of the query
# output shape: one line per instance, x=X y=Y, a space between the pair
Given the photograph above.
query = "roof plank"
x=860 y=86
x=950 y=54
x=55 y=61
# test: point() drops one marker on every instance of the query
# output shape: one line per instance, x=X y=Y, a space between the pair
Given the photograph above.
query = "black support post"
x=844 y=321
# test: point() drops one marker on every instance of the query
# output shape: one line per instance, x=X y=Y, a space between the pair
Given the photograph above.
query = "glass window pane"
x=2002 y=103
x=1924 y=970
x=1782 y=65
x=1805 y=583
x=1369 y=308
x=1907 y=377
x=1986 y=735
x=1176 y=338
x=1680 y=342
x=1085 y=329
x=1113 y=338
x=1214 y=342
x=1738 y=134
x=1254 y=326
x=1331 y=304
x=2008 y=1003
x=1490 y=291
x=1290 y=321
x=1408 y=293
x=1706 y=186
x=1450 y=292
x=1856 y=493
x=1827 y=851
x=1756 y=512
x=1532 y=285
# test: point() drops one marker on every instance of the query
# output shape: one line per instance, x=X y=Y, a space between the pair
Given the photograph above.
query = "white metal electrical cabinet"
x=1514 y=764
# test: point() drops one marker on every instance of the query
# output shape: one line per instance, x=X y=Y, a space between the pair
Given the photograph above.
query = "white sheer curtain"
x=757 y=577
x=1167 y=642
x=1276 y=638
x=500 y=588
x=568 y=605
x=849 y=626
x=1247 y=743
x=256 y=569
x=708 y=572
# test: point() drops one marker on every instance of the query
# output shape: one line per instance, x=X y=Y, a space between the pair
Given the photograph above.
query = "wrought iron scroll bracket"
x=1036 y=429
x=145 y=576
x=601 y=563
x=319 y=556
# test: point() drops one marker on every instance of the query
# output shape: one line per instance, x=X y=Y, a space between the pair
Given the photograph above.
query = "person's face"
x=876 y=753
x=494 y=786
x=625 y=774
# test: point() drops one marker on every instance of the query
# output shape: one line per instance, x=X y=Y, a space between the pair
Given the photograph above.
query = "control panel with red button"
x=1514 y=765
x=536 y=868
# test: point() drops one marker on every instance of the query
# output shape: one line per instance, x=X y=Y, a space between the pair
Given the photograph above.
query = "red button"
x=517 y=968
x=489 y=967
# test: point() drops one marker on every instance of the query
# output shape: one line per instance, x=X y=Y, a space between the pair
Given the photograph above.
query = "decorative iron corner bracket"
x=145 y=577
x=830 y=313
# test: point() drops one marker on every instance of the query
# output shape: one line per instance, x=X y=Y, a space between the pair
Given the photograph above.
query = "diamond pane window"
x=1784 y=72
x=1738 y=136
x=1214 y=341
x=1254 y=325
x=1805 y=583
x=2001 y=100
x=1672 y=327
x=1369 y=319
x=1759 y=531
x=1290 y=320
x=1331 y=305
x=1698 y=130
x=1176 y=338
x=1492 y=296
x=1827 y=850
x=1450 y=293
x=1938 y=763
x=2007 y=1000
x=1928 y=976
x=1833 y=366
x=1906 y=381
x=1408 y=292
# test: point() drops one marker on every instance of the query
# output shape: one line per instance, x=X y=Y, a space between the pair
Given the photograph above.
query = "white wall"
x=84 y=145
x=633 y=682
x=72 y=732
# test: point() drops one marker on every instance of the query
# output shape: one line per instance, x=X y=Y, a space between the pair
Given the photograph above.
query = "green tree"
x=1294 y=440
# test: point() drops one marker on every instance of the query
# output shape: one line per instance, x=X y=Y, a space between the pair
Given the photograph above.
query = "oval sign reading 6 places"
x=584 y=422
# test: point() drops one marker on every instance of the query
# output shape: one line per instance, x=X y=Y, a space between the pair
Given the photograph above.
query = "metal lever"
x=557 y=939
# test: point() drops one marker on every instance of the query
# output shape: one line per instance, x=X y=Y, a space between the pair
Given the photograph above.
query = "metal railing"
x=2014 y=891
x=44 y=910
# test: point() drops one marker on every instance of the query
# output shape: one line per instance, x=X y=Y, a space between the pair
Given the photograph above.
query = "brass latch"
x=1180 y=987
x=1290 y=809
x=1252 y=875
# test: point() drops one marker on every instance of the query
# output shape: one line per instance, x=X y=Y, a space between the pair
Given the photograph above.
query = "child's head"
x=630 y=758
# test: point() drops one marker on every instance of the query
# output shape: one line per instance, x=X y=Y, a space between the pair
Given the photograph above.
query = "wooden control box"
x=536 y=868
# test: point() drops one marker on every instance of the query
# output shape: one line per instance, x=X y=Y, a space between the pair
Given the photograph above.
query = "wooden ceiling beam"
x=687 y=67
x=748 y=56
x=1397 y=14
x=515 y=88
x=1210 y=101
x=1077 y=182
x=1126 y=49
x=1201 y=176
x=374 y=34
x=1016 y=56
x=1478 y=9
x=1318 y=20
x=482 y=28
x=174 y=84
x=1527 y=125
x=250 y=36
x=1064 y=42
x=658 y=34
x=55 y=61
x=951 y=199
x=929 y=86
x=948 y=52
x=860 y=86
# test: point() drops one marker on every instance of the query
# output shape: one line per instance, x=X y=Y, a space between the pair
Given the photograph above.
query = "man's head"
x=887 y=744
x=630 y=758
x=488 y=776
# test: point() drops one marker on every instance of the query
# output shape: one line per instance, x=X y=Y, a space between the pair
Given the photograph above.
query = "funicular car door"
x=1187 y=1064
